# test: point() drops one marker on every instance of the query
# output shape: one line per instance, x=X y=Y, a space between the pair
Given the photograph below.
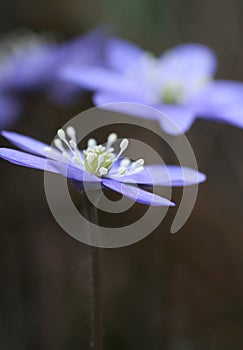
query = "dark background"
x=171 y=292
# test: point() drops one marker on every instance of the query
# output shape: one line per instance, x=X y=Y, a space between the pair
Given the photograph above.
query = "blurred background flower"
x=179 y=83
x=31 y=62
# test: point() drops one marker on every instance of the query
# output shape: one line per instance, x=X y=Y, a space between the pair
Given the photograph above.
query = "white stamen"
x=125 y=162
x=124 y=144
x=61 y=134
x=139 y=162
x=73 y=144
x=100 y=160
x=111 y=139
x=136 y=170
x=58 y=144
x=71 y=133
x=103 y=171
x=76 y=152
x=123 y=147
x=47 y=149
x=122 y=171
x=90 y=158
x=91 y=143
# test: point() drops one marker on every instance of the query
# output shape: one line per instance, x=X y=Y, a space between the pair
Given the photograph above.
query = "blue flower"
x=78 y=52
x=98 y=163
x=26 y=62
x=30 y=62
x=179 y=83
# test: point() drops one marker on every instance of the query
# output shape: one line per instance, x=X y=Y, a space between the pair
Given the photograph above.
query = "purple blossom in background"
x=99 y=163
x=179 y=83
x=30 y=62
x=26 y=61
x=79 y=52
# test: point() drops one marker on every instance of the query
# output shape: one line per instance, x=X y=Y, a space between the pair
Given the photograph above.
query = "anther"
x=122 y=171
x=58 y=144
x=139 y=162
x=71 y=133
x=125 y=162
x=111 y=139
x=61 y=134
x=124 y=145
x=91 y=143
x=103 y=171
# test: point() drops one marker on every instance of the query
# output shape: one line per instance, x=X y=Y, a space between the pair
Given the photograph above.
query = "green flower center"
x=98 y=160
x=172 y=94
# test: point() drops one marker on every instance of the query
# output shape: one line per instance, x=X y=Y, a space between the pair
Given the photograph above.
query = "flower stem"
x=96 y=341
x=96 y=300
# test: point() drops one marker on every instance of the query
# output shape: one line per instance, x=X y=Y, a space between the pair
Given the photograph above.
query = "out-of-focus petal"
x=137 y=194
x=223 y=101
x=124 y=104
x=85 y=49
x=178 y=119
x=190 y=61
x=122 y=54
x=97 y=78
x=166 y=175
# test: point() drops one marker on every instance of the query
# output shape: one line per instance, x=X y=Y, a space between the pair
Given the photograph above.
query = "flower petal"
x=26 y=143
x=97 y=78
x=35 y=162
x=166 y=175
x=28 y=160
x=178 y=118
x=137 y=194
x=189 y=60
x=122 y=54
x=84 y=49
x=222 y=100
x=124 y=104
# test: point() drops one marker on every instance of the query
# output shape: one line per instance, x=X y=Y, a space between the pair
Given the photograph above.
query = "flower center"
x=23 y=42
x=98 y=159
x=173 y=93
x=95 y=159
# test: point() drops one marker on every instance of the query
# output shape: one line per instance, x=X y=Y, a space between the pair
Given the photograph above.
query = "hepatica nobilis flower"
x=99 y=163
x=179 y=83
x=78 y=52
x=31 y=62
x=26 y=61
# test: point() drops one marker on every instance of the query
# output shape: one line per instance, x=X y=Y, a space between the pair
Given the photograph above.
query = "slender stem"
x=96 y=342
x=96 y=300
